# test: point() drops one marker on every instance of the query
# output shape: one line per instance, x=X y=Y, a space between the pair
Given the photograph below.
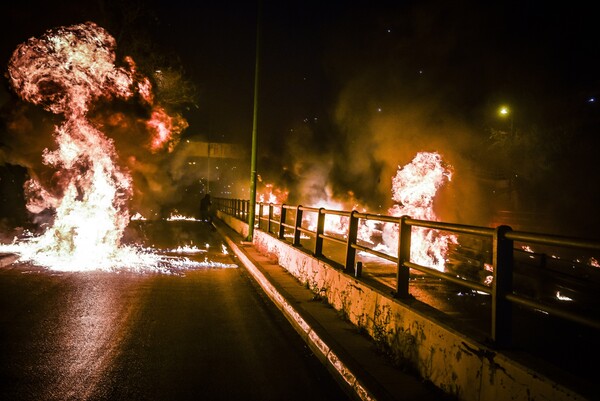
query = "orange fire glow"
x=335 y=224
x=165 y=129
x=272 y=194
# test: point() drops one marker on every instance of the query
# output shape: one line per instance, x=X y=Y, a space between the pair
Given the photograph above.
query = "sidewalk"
x=349 y=355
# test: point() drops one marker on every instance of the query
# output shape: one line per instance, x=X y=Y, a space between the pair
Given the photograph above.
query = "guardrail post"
x=502 y=285
x=320 y=232
x=403 y=272
x=350 y=250
x=358 y=270
x=282 y=218
x=270 y=218
x=297 y=225
x=260 y=213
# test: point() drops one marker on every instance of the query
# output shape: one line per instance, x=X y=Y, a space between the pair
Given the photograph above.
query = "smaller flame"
x=335 y=224
x=180 y=217
x=138 y=217
x=187 y=249
x=561 y=297
x=272 y=194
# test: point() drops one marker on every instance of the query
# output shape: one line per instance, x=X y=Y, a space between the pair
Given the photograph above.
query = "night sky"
x=351 y=90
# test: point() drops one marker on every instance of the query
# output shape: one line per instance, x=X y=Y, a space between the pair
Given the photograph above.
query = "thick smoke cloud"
x=351 y=91
x=431 y=77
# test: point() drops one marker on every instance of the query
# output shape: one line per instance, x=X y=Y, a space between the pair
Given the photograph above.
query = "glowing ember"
x=66 y=71
x=414 y=188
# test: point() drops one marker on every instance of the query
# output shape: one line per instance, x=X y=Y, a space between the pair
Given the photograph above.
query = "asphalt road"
x=205 y=334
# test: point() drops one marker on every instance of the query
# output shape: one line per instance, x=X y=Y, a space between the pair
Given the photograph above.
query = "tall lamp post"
x=252 y=206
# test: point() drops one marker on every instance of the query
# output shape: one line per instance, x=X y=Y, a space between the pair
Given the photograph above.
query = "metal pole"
x=282 y=218
x=403 y=272
x=320 y=232
x=251 y=209
x=352 y=236
x=503 y=260
x=297 y=225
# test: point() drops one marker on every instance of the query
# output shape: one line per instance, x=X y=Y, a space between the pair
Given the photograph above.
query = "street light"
x=505 y=112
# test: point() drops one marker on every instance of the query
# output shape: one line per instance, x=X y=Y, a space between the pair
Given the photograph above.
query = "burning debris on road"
x=86 y=188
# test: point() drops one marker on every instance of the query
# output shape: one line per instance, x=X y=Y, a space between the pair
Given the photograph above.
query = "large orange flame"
x=413 y=189
x=65 y=71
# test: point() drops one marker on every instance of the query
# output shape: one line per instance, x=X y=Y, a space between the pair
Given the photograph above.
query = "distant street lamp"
x=505 y=112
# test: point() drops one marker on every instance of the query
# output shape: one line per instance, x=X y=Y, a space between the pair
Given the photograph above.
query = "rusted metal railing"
x=276 y=219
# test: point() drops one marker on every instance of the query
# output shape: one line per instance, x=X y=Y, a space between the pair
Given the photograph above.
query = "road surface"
x=206 y=333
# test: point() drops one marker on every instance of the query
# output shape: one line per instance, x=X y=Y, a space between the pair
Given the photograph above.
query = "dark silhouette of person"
x=205 y=204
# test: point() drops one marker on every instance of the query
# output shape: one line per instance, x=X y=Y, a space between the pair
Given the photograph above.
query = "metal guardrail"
x=278 y=218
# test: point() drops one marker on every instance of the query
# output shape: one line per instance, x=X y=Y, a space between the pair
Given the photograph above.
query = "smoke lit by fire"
x=414 y=188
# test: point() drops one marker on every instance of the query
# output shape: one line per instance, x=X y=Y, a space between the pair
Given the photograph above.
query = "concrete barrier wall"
x=236 y=224
x=455 y=363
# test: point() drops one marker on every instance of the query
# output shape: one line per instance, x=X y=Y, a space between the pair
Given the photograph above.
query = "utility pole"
x=252 y=206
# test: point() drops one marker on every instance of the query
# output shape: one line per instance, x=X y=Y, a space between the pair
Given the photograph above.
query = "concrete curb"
x=326 y=355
